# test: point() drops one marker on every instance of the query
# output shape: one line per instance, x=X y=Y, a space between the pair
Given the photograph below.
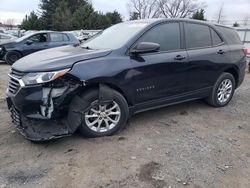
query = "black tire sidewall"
x=92 y=96
x=11 y=53
x=223 y=77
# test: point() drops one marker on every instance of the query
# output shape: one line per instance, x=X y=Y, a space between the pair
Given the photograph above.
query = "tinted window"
x=39 y=38
x=167 y=35
x=198 y=36
x=58 y=37
x=230 y=35
x=215 y=38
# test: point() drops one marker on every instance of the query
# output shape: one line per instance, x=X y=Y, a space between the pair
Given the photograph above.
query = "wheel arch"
x=102 y=86
x=234 y=72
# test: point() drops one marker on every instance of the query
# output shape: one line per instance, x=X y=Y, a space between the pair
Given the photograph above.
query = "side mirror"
x=145 y=47
x=29 y=42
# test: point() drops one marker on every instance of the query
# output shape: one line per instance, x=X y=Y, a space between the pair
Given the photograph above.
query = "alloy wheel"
x=102 y=118
x=225 y=91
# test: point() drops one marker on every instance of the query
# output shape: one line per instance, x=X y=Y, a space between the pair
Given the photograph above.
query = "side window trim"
x=68 y=39
x=195 y=48
x=40 y=35
x=62 y=35
x=182 y=48
x=222 y=43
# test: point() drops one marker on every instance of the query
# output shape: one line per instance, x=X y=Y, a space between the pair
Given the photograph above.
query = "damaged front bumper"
x=40 y=112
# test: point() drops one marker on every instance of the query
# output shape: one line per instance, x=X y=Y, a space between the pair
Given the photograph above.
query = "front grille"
x=14 y=84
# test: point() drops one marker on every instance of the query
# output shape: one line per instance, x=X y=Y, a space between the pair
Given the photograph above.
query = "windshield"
x=115 y=36
x=24 y=37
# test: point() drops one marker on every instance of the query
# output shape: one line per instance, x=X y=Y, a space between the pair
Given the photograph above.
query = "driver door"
x=35 y=43
x=162 y=74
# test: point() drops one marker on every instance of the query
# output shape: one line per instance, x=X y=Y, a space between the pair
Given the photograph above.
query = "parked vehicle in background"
x=6 y=38
x=245 y=38
x=83 y=35
x=12 y=51
x=15 y=33
x=149 y=64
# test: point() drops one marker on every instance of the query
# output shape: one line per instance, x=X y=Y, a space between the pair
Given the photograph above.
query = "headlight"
x=43 y=77
x=1 y=48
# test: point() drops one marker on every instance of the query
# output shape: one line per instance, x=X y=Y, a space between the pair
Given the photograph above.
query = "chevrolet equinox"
x=128 y=68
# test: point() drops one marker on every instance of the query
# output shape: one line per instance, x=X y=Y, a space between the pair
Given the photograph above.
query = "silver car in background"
x=6 y=38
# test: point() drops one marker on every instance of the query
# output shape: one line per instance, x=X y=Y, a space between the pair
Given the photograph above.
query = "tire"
x=92 y=97
x=12 y=56
x=215 y=99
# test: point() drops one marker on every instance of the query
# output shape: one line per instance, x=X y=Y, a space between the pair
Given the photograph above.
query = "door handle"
x=220 y=52
x=179 y=57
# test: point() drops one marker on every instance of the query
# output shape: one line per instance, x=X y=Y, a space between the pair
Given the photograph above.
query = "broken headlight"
x=43 y=77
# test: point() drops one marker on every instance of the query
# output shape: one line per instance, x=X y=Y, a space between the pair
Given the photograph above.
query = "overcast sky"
x=17 y=9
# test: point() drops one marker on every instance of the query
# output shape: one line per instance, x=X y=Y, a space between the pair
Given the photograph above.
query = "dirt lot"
x=188 y=145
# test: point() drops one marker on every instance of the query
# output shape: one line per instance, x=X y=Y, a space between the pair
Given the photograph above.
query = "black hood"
x=56 y=59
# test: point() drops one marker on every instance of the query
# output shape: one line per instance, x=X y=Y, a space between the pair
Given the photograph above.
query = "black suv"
x=128 y=68
x=10 y=52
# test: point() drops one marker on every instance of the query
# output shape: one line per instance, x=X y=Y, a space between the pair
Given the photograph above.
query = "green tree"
x=236 y=24
x=86 y=18
x=64 y=15
x=31 y=22
x=62 y=18
x=83 y=17
x=199 y=15
x=48 y=9
x=134 y=16
x=114 y=17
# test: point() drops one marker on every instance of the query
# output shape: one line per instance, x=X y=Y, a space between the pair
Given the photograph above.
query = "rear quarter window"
x=231 y=36
x=215 y=38
x=59 y=37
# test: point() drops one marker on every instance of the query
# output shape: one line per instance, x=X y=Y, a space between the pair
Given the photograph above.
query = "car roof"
x=160 y=20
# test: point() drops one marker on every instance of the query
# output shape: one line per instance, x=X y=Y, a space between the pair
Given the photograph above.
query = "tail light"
x=245 y=51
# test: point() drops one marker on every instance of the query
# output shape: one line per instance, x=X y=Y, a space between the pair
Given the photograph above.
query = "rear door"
x=58 y=39
x=208 y=54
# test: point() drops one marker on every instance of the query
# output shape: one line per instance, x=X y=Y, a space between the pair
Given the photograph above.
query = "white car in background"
x=244 y=34
x=6 y=38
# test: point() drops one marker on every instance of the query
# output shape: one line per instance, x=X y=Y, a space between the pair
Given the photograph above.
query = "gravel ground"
x=4 y=70
x=187 y=145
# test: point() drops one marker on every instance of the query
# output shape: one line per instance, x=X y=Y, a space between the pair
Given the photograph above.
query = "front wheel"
x=12 y=56
x=104 y=119
x=223 y=91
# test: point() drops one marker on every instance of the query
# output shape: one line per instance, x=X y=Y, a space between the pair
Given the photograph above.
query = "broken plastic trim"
x=80 y=106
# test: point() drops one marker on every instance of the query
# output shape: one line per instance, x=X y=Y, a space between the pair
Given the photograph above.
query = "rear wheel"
x=12 y=56
x=223 y=91
x=104 y=119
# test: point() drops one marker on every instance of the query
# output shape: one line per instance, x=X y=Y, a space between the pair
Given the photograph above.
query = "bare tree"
x=144 y=8
x=220 y=13
x=179 y=8
x=10 y=23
